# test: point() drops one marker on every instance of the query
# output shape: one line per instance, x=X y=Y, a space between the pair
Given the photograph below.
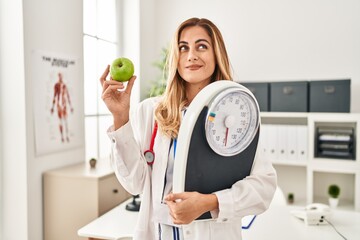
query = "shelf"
x=344 y=204
x=293 y=180
x=289 y=163
x=346 y=182
x=284 y=118
x=308 y=177
x=333 y=165
x=334 y=117
x=298 y=203
x=285 y=114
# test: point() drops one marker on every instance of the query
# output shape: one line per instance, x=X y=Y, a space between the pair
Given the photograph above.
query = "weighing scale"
x=217 y=139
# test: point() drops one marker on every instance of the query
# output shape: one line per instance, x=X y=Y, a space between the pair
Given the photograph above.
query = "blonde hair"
x=168 y=112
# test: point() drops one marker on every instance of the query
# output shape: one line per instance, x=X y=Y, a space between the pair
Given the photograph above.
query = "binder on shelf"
x=282 y=143
x=268 y=141
x=291 y=142
x=285 y=143
x=272 y=140
x=264 y=141
x=302 y=142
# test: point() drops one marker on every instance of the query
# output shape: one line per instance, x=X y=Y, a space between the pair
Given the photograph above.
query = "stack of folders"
x=335 y=143
x=284 y=143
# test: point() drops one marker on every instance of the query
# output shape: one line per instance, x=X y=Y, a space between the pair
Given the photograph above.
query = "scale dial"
x=232 y=121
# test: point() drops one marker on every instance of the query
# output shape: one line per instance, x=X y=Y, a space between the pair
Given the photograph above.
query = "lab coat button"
x=187 y=232
x=113 y=140
x=225 y=219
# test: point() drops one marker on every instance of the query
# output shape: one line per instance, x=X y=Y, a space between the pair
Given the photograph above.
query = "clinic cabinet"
x=291 y=142
x=76 y=195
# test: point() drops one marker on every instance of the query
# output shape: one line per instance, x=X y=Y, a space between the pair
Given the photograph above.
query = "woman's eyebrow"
x=202 y=40
x=197 y=41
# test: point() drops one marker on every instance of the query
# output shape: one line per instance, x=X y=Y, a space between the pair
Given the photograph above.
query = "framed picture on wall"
x=57 y=94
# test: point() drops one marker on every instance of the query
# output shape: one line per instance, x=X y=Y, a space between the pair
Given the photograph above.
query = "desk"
x=276 y=223
x=117 y=224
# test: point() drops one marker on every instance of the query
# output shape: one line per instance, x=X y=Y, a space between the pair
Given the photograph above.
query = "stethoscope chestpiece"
x=149 y=156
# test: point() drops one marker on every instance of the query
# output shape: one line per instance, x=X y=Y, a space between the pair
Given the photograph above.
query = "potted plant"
x=92 y=162
x=159 y=85
x=334 y=192
x=290 y=198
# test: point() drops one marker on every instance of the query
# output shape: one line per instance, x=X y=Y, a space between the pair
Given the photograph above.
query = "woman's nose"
x=192 y=55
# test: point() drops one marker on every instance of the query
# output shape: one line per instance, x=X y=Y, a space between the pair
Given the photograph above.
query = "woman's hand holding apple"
x=116 y=97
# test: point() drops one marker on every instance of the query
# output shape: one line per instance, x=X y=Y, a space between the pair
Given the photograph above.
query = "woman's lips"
x=194 y=67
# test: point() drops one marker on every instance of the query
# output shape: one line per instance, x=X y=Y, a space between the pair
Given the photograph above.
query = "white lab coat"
x=251 y=195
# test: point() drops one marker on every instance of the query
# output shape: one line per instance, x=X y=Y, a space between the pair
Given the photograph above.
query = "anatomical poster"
x=57 y=94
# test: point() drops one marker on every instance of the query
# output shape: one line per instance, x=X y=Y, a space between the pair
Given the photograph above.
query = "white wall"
x=13 y=123
x=54 y=26
x=275 y=40
x=130 y=41
x=148 y=52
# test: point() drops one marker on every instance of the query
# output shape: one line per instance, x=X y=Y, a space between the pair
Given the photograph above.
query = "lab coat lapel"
x=162 y=151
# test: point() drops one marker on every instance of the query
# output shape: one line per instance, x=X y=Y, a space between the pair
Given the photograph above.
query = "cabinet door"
x=111 y=193
x=69 y=204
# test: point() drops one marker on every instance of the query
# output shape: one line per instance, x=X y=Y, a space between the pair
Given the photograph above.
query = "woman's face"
x=196 y=56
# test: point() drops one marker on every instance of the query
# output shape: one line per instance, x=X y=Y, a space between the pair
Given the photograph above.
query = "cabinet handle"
x=115 y=191
x=329 y=89
x=287 y=90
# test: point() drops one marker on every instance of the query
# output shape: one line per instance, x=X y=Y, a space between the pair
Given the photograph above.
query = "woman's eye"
x=183 y=48
x=202 y=46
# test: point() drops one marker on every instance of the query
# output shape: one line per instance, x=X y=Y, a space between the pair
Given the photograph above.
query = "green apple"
x=122 y=69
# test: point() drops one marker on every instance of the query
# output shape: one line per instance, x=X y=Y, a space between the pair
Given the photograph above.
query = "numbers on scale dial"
x=230 y=121
x=229 y=135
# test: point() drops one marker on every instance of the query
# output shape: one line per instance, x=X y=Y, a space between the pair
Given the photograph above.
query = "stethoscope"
x=150 y=154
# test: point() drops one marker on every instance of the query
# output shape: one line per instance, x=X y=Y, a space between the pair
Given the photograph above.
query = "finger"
x=169 y=197
x=104 y=75
x=174 y=220
x=108 y=92
x=105 y=85
x=175 y=196
x=170 y=204
x=111 y=91
x=130 y=85
x=112 y=84
x=116 y=87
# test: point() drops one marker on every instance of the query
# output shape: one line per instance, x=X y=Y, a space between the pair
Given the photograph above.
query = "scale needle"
x=226 y=136
x=229 y=122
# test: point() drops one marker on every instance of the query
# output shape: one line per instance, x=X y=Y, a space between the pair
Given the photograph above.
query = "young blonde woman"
x=197 y=58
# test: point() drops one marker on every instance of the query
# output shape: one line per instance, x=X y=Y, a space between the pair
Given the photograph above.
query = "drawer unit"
x=329 y=96
x=111 y=193
x=75 y=195
x=289 y=96
x=261 y=93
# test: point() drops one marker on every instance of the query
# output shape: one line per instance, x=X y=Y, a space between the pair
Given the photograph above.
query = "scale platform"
x=197 y=166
